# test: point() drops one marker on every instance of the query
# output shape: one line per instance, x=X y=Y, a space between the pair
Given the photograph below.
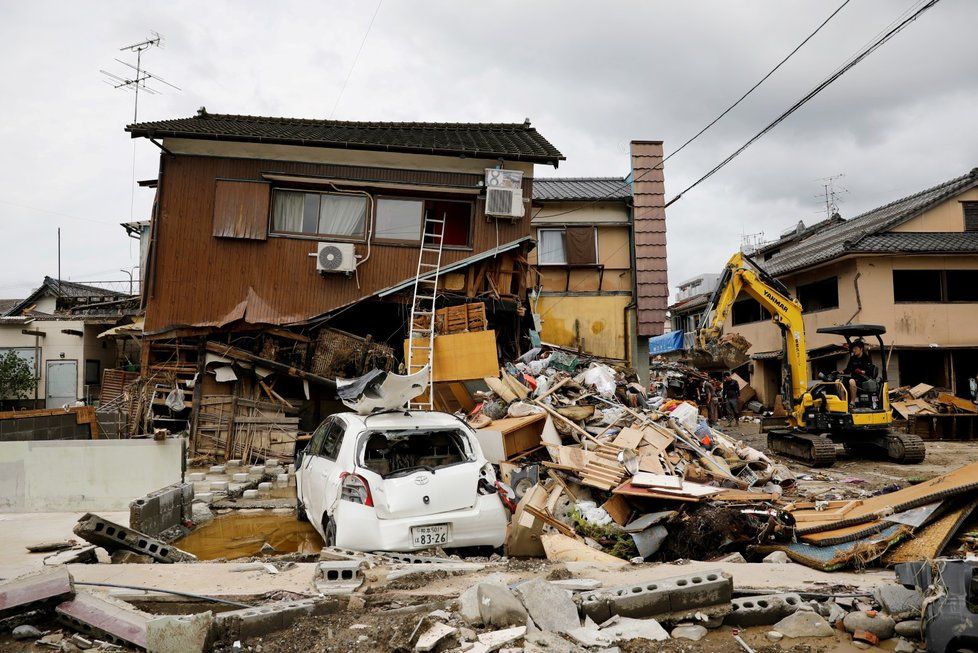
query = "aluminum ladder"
x=421 y=339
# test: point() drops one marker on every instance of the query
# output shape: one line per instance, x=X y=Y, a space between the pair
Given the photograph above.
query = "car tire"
x=329 y=527
x=300 y=509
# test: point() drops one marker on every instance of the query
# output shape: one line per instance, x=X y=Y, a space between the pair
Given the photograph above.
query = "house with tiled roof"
x=599 y=267
x=910 y=265
x=55 y=330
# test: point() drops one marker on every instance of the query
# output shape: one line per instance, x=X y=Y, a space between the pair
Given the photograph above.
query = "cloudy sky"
x=590 y=75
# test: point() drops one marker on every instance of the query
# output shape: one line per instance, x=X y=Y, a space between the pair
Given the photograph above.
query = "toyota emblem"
x=421 y=480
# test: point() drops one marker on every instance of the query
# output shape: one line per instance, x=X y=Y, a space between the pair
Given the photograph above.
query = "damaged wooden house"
x=283 y=254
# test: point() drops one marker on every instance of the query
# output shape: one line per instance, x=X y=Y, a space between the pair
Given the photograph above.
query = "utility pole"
x=59 y=258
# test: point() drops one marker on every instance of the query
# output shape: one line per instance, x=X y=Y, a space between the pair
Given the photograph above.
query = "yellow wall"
x=946 y=216
x=613 y=253
x=600 y=321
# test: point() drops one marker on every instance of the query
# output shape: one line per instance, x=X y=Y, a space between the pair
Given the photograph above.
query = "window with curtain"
x=319 y=214
x=551 y=247
x=398 y=219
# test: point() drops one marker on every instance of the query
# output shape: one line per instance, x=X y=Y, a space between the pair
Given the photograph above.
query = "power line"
x=811 y=94
x=355 y=59
x=719 y=117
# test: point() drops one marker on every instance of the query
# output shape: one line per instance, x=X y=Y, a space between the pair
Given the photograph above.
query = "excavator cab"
x=871 y=390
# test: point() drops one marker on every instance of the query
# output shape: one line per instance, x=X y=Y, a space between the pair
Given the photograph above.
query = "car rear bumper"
x=359 y=528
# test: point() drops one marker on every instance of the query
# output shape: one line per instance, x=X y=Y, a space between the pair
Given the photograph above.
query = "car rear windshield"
x=395 y=453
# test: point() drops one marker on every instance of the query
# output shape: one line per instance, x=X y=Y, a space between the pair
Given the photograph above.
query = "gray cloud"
x=591 y=76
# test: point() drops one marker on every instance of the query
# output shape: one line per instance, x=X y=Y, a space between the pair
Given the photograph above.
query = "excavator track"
x=905 y=448
x=813 y=450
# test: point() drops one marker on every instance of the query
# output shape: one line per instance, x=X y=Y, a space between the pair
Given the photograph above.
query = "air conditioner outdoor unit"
x=336 y=257
x=504 y=193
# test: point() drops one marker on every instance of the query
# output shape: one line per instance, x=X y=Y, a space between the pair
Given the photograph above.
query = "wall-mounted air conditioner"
x=336 y=257
x=504 y=193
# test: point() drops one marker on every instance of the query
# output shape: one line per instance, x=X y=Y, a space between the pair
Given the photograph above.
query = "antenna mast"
x=138 y=82
x=830 y=196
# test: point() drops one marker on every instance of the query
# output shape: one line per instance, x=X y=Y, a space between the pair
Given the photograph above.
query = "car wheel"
x=329 y=527
x=300 y=509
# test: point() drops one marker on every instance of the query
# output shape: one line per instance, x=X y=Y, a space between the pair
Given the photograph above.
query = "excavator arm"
x=741 y=274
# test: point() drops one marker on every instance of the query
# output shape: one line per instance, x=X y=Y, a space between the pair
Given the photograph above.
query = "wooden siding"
x=199 y=280
x=241 y=209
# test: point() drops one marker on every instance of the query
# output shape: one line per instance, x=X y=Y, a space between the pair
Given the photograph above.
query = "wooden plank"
x=461 y=356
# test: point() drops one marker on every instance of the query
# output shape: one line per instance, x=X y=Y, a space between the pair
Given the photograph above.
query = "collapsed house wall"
x=80 y=475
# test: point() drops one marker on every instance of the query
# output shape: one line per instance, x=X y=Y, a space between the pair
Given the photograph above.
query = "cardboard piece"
x=961 y=404
x=560 y=548
x=920 y=390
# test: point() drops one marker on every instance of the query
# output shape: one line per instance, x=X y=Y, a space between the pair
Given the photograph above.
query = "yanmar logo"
x=780 y=304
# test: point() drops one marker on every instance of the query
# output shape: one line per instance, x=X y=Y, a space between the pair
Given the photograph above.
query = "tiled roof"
x=65 y=289
x=513 y=141
x=7 y=304
x=828 y=243
x=563 y=189
x=919 y=241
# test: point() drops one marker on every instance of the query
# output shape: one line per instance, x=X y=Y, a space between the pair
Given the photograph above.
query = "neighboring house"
x=910 y=266
x=55 y=330
x=600 y=259
x=692 y=297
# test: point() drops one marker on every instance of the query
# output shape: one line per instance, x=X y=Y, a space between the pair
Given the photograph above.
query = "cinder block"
x=203 y=497
x=241 y=478
x=338 y=576
x=265 y=487
x=195 y=477
x=234 y=462
x=272 y=462
x=668 y=595
x=219 y=486
x=762 y=610
x=216 y=469
x=52 y=584
x=282 y=478
x=162 y=510
x=253 y=622
x=256 y=469
x=114 y=621
x=249 y=494
x=113 y=537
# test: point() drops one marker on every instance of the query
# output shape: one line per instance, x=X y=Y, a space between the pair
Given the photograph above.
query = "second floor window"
x=319 y=214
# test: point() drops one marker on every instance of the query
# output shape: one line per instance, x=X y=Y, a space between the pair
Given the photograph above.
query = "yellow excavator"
x=820 y=413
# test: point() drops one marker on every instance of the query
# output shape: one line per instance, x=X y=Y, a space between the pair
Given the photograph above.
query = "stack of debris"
x=925 y=399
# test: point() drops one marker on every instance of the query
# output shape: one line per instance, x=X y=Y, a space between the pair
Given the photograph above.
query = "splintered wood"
x=603 y=470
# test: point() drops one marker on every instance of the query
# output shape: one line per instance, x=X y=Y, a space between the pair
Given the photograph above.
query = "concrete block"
x=219 y=486
x=48 y=585
x=203 y=497
x=291 y=468
x=180 y=634
x=216 y=469
x=253 y=622
x=241 y=477
x=234 y=462
x=162 y=510
x=265 y=487
x=195 y=477
x=550 y=607
x=410 y=558
x=256 y=469
x=112 y=537
x=338 y=576
x=103 y=618
x=282 y=478
x=272 y=462
x=249 y=494
x=762 y=610
x=669 y=595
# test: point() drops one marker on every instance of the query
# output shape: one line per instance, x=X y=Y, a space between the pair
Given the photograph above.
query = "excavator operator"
x=859 y=369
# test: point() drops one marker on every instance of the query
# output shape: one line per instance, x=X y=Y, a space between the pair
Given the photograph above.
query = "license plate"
x=433 y=535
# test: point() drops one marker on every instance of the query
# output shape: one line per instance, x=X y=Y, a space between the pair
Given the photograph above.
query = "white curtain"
x=551 y=250
x=399 y=219
x=287 y=211
x=342 y=215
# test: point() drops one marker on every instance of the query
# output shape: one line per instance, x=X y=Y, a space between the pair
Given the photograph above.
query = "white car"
x=399 y=481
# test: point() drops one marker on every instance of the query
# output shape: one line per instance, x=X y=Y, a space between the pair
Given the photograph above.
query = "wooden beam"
x=240 y=354
x=73 y=332
x=285 y=333
x=32 y=332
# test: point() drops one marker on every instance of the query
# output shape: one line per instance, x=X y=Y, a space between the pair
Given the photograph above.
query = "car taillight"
x=354 y=488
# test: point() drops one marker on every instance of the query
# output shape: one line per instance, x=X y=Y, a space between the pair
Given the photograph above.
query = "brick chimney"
x=649 y=225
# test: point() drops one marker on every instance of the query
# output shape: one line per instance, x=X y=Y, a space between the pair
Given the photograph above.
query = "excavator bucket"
x=724 y=353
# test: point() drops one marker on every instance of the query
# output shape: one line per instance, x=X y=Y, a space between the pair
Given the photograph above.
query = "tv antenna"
x=136 y=82
x=830 y=195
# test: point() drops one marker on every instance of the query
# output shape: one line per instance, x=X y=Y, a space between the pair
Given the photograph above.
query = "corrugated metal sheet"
x=650 y=237
x=199 y=280
x=241 y=209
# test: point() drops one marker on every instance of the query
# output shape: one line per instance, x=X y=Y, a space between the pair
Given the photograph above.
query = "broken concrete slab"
x=622 y=629
x=50 y=547
x=577 y=584
x=550 y=607
x=691 y=632
x=496 y=639
x=112 y=537
x=898 y=601
x=80 y=555
x=430 y=638
x=179 y=634
x=104 y=618
x=252 y=622
x=45 y=586
x=879 y=624
x=762 y=610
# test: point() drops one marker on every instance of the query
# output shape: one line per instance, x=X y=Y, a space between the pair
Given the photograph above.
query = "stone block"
x=254 y=622
x=112 y=537
x=677 y=594
x=762 y=610
x=52 y=584
x=106 y=619
x=179 y=634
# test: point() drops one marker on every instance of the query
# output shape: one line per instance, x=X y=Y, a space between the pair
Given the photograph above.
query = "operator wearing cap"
x=860 y=368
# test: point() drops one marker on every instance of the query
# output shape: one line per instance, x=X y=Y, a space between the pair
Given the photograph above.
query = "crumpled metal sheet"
x=380 y=390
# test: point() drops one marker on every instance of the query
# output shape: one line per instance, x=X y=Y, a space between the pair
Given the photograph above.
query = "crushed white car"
x=399 y=481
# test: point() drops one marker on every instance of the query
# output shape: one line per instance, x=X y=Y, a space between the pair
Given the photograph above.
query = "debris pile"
x=925 y=399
